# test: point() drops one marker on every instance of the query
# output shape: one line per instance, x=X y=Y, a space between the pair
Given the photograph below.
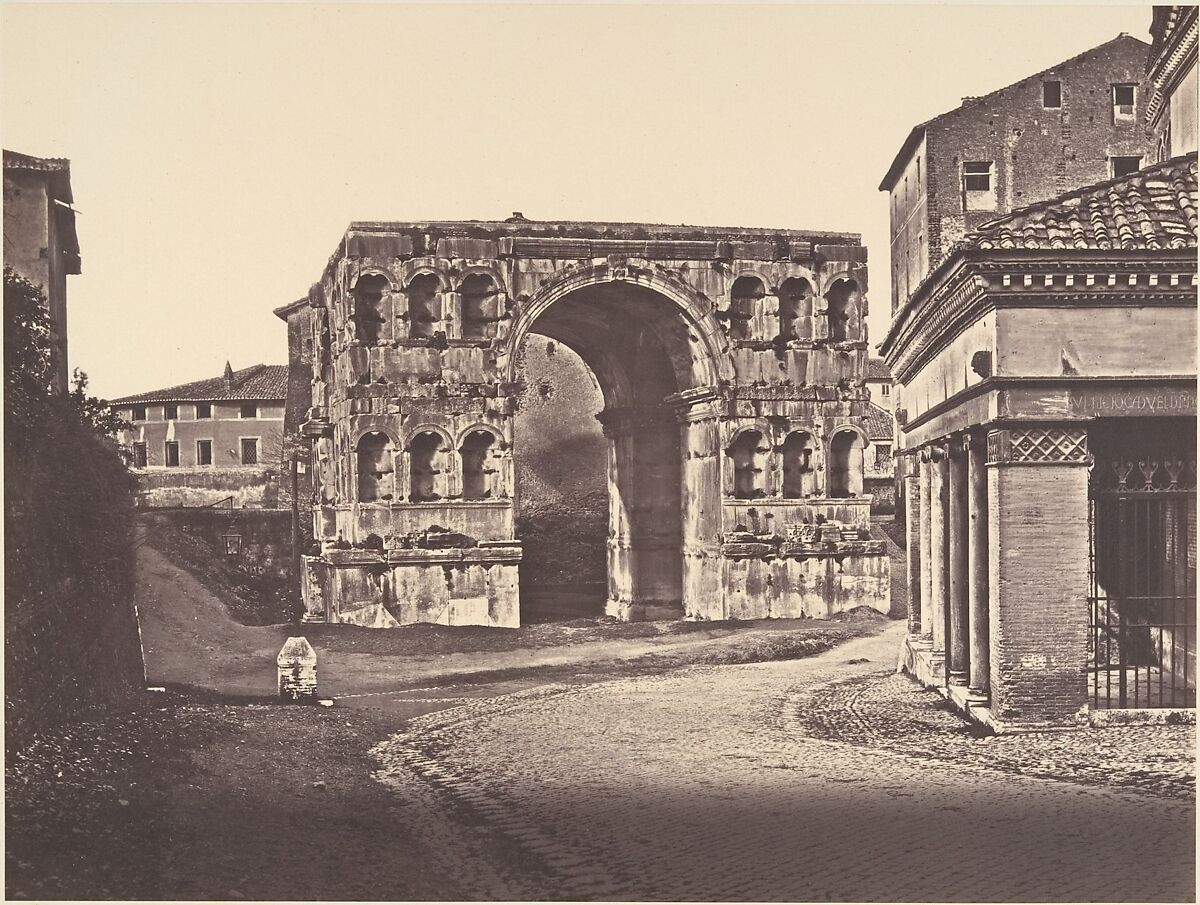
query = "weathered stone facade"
x=731 y=364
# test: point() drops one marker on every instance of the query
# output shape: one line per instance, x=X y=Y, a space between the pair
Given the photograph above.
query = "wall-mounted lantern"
x=233 y=544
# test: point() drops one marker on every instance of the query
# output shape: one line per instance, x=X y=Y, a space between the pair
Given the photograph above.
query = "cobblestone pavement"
x=722 y=784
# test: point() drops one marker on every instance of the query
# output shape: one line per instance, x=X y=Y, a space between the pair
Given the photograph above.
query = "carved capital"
x=1038 y=444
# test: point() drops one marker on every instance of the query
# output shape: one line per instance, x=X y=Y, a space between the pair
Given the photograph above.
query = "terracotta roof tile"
x=1151 y=209
x=877 y=369
x=265 y=382
x=879 y=424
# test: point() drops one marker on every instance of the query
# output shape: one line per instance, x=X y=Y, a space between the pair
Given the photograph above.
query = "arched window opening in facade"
x=375 y=469
x=478 y=294
x=838 y=310
x=845 y=464
x=799 y=468
x=795 y=308
x=423 y=455
x=743 y=297
x=747 y=454
x=424 y=306
x=369 y=315
x=476 y=449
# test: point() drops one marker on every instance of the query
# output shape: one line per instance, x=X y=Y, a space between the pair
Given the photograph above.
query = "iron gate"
x=1142 y=565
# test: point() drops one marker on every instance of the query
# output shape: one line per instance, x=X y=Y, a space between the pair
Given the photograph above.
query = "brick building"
x=1074 y=124
x=199 y=443
x=40 y=241
x=731 y=366
x=1048 y=367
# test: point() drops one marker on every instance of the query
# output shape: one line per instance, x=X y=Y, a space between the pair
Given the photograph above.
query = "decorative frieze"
x=1038 y=445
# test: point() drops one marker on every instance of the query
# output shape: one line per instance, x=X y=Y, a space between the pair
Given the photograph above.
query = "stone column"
x=938 y=493
x=912 y=536
x=956 y=542
x=925 y=517
x=977 y=563
x=1038 y=572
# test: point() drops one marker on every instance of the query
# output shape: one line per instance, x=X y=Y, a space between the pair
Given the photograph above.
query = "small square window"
x=1124 y=166
x=1051 y=95
x=885 y=389
x=1123 y=98
x=249 y=450
x=170 y=411
x=204 y=452
x=249 y=410
x=203 y=410
x=171 y=453
x=138 y=413
x=977 y=176
x=139 y=455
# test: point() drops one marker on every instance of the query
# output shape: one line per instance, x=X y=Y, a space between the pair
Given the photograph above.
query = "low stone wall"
x=257 y=488
x=813 y=586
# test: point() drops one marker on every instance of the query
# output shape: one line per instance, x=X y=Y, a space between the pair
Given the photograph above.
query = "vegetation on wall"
x=70 y=632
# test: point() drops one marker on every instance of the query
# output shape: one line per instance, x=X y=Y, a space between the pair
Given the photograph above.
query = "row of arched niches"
x=470 y=308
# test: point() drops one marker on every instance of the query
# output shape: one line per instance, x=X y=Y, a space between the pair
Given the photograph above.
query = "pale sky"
x=218 y=152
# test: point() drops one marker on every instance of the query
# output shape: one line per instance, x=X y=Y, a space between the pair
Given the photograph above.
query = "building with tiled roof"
x=40 y=242
x=209 y=441
x=879 y=382
x=1076 y=123
x=1045 y=376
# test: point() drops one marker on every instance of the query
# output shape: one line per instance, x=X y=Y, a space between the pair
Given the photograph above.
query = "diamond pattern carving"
x=1037 y=445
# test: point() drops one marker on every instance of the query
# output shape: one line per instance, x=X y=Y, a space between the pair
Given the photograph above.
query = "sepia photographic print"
x=599 y=452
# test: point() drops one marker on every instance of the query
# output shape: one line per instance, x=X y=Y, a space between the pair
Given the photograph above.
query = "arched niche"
x=475 y=452
x=841 y=309
x=744 y=298
x=374 y=460
x=799 y=454
x=424 y=305
x=846 y=463
x=795 y=308
x=426 y=460
x=478 y=295
x=371 y=323
x=747 y=453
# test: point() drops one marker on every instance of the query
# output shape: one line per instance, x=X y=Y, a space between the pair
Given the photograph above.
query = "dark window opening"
x=845 y=464
x=799 y=477
x=746 y=452
x=478 y=294
x=375 y=468
x=1123 y=97
x=203 y=410
x=795 y=308
x=839 y=300
x=742 y=297
x=424 y=306
x=1124 y=166
x=138 y=413
x=1051 y=95
x=476 y=450
x=423 y=457
x=249 y=450
x=139 y=455
x=204 y=452
x=369 y=300
x=170 y=412
x=885 y=389
x=249 y=410
x=171 y=453
x=977 y=176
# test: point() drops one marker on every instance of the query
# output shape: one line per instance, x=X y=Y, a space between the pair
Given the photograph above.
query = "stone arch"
x=748 y=450
x=374 y=459
x=426 y=452
x=372 y=311
x=843 y=299
x=795 y=308
x=425 y=291
x=745 y=302
x=475 y=449
x=800 y=453
x=478 y=294
x=845 y=458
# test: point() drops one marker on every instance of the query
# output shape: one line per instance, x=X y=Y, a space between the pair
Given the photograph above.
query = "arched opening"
x=845 y=464
x=743 y=302
x=376 y=473
x=799 y=469
x=641 y=350
x=746 y=452
x=370 y=319
x=795 y=309
x=475 y=451
x=424 y=306
x=840 y=306
x=478 y=295
x=424 y=457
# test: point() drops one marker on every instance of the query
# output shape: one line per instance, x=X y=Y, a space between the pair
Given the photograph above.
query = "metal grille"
x=1143 y=572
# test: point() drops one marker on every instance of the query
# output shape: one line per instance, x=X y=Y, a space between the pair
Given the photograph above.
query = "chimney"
x=228 y=378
